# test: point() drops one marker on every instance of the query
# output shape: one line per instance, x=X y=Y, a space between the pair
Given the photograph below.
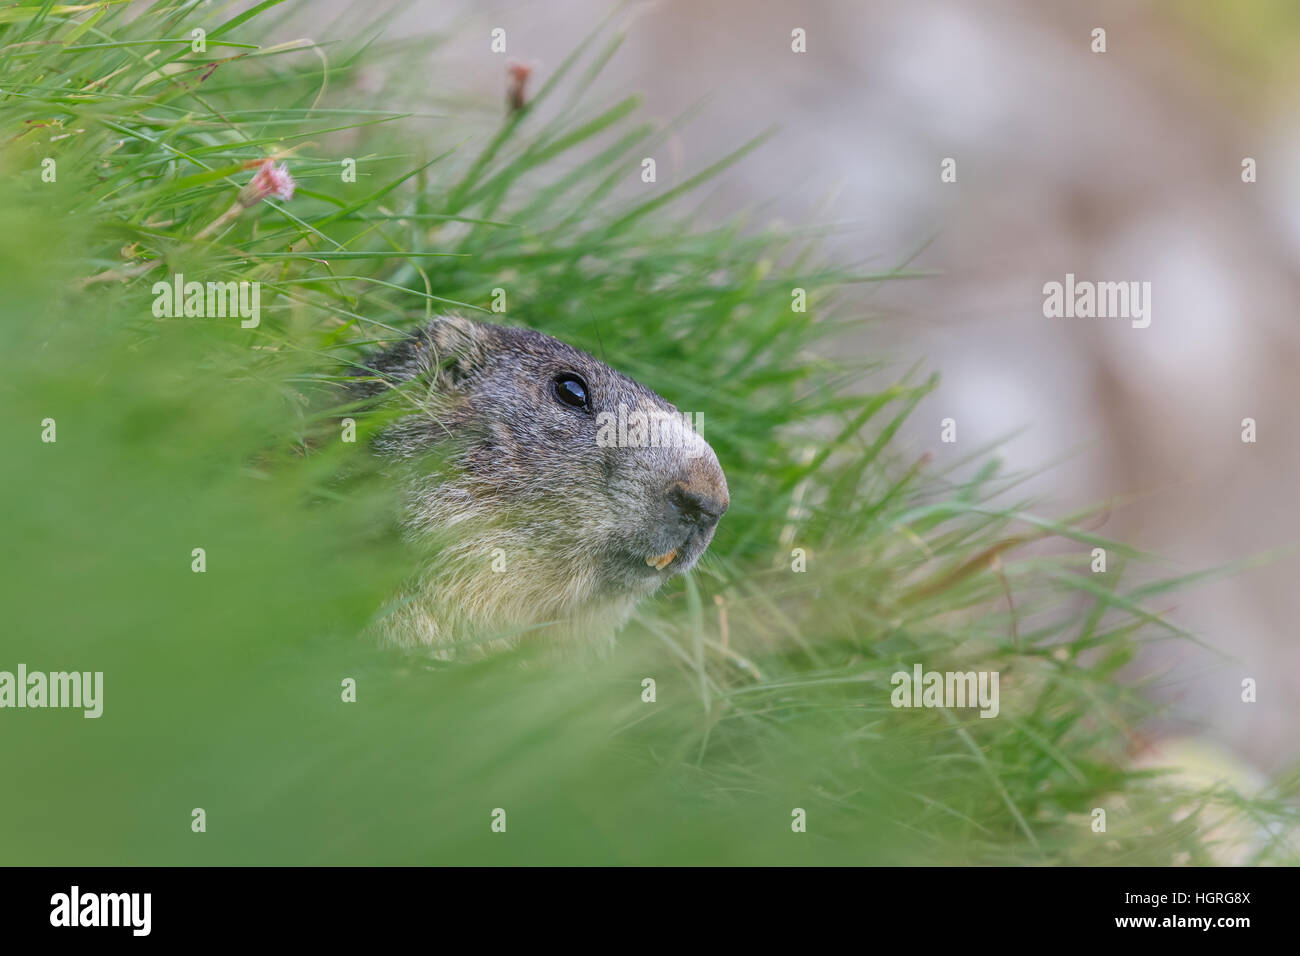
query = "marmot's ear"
x=460 y=348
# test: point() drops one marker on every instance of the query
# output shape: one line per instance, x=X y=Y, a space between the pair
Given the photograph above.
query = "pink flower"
x=517 y=78
x=270 y=181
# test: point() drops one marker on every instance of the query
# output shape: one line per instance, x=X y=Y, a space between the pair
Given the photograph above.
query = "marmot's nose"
x=702 y=498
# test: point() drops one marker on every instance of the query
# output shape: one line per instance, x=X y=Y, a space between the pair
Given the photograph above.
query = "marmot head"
x=547 y=486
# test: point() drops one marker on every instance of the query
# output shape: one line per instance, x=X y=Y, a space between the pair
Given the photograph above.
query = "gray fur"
x=492 y=460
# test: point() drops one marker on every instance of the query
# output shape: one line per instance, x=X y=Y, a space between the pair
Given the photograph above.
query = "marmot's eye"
x=571 y=390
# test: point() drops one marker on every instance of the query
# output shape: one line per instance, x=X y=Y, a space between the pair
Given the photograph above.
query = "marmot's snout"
x=702 y=498
x=694 y=504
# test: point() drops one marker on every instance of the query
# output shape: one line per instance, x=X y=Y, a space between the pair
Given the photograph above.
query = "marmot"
x=545 y=492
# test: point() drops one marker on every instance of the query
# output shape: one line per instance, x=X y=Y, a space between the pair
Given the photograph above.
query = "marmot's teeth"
x=659 y=562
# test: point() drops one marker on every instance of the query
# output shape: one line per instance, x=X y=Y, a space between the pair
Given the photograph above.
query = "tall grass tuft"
x=223 y=688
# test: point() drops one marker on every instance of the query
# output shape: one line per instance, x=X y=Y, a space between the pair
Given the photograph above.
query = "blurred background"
x=1115 y=166
x=225 y=686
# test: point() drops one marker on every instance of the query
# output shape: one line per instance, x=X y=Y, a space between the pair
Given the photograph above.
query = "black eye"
x=571 y=390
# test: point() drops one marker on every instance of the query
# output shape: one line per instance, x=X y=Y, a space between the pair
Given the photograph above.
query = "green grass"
x=223 y=688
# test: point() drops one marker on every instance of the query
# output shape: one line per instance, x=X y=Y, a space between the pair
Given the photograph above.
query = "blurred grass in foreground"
x=222 y=689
